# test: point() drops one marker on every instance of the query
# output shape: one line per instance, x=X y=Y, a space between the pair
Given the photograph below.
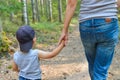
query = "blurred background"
x=45 y=16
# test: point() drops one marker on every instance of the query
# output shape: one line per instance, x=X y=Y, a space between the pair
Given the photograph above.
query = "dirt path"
x=70 y=64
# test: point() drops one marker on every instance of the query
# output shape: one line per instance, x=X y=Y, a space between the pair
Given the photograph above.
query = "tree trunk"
x=33 y=11
x=60 y=10
x=42 y=8
x=0 y=26
x=66 y=2
x=47 y=9
x=12 y=16
x=25 y=16
x=50 y=10
x=37 y=11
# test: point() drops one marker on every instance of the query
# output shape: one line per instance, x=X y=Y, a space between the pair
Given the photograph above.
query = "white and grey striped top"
x=97 y=9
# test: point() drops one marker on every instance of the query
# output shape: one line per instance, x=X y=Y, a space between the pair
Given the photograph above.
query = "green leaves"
x=4 y=42
x=7 y=6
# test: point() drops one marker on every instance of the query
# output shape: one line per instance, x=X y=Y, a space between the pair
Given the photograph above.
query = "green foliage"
x=46 y=32
x=9 y=67
x=7 y=6
x=4 y=42
x=10 y=27
x=1 y=63
x=46 y=26
x=14 y=6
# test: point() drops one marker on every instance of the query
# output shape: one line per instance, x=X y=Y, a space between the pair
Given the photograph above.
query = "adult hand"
x=64 y=36
x=70 y=9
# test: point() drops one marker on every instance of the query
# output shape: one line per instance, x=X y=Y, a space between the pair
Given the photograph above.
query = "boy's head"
x=25 y=35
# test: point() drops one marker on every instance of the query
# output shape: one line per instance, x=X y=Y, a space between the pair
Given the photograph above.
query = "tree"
x=50 y=10
x=66 y=1
x=37 y=11
x=60 y=10
x=0 y=26
x=25 y=16
x=42 y=7
x=33 y=11
x=9 y=6
x=46 y=9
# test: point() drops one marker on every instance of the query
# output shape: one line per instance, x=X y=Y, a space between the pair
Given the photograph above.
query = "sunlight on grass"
x=47 y=32
x=46 y=26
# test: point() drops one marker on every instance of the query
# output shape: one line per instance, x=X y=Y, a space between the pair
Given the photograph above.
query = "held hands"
x=62 y=43
x=63 y=38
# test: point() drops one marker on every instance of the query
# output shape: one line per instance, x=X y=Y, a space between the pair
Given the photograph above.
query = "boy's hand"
x=63 y=43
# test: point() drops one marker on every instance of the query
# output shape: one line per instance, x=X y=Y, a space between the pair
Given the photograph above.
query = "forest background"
x=45 y=16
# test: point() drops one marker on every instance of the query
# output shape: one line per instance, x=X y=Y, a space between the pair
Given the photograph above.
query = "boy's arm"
x=15 y=67
x=47 y=55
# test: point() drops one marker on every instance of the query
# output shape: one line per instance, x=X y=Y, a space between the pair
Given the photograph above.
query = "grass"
x=9 y=27
x=1 y=63
x=46 y=32
x=49 y=32
x=46 y=26
x=9 y=67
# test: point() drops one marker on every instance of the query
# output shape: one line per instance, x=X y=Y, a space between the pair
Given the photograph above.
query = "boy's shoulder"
x=31 y=52
x=16 y=53
x=36 y=50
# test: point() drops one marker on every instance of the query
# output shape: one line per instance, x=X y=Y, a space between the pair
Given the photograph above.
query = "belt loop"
x=93 y=20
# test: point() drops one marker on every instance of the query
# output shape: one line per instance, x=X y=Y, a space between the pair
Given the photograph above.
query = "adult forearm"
x=118 y=3
x=69 y=13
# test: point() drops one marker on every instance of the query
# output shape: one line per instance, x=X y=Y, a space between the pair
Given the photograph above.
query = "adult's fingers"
x=66 y=39
x=61 y=38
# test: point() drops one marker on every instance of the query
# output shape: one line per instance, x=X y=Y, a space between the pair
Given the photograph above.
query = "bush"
x=4 y=42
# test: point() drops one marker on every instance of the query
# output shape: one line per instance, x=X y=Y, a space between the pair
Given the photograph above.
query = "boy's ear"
x=34 y=39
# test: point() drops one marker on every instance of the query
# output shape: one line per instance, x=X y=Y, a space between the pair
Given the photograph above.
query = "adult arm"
x=70 y=9
x=118 y=3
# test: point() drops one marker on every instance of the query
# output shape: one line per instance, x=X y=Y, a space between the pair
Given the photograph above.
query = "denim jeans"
x=99 y=39
x=22 y=78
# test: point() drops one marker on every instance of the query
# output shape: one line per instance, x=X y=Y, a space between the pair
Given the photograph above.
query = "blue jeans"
x=22 y=78
x=99 y=38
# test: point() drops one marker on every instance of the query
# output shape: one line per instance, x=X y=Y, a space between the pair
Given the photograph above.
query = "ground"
x=70 y=64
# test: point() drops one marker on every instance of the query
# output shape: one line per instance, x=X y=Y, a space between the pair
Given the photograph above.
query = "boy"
x=26 y=60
